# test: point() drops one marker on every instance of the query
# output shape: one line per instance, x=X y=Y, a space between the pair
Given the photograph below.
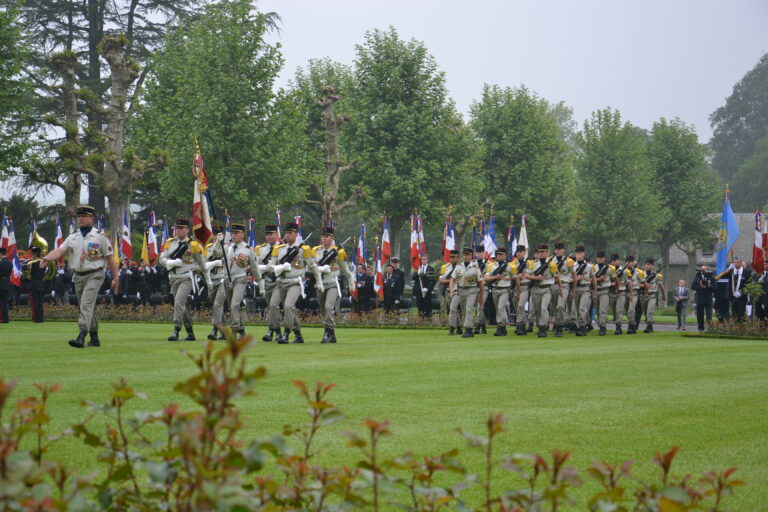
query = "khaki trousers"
x=468 y=299
x=218 y=296
x=583 y=302
x=87 y=290
x=454 y=310
x=603 y=304
x=480 y=319
x=181 y=287
x=522 y=314
x=621 y=302
x=273 y=315
x=327 y=302
x=649 y=306
x=560 y=303
x=501 y=301
x=540 y=298
x=632 y=309
x=286 y=294
x=236 y=293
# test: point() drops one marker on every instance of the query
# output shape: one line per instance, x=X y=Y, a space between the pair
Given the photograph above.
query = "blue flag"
x=729 y=233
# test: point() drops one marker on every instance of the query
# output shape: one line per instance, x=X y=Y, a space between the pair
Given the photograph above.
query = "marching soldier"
x=289 y=263
x=636 y=278
x=330 y=259
x=181 y=256
x=480 y=320
x=623 y=292
x=467 y=283
x=561 y=290
x=264 y=255
x=36 y=275
x=652 y=284
x=218 y=292
x=453 y=302
x=89 y=251
x=585 y=291
x=543 y=272
x=522 y=290
x=604 y=277
x=498 y=276
x=240 y=258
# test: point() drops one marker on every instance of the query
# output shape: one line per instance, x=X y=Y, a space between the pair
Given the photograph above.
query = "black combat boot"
x=468 y=333
x=270 y=335
x=332 y=336
x=213 y=334
x=94 y=339
x=521 y=331
x=618 y=329
x=451 y=331
x=482 y=330
x=282 y=337
x=499 y=331
x=299 y=337
x=558 y=331
x=78 y=342
x=602 y=331
x=241 y=333
x=631 y=329
x=326 y=336
x=477 y=330
x=530 y=327
x=190 y=335
x=542 y=332
x=175 y=335
x=649 y=328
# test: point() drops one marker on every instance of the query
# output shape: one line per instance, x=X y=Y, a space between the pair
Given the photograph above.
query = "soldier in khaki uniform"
x=217 y=294
x=480 y=320
x=623 y=274
x=498 y=278
x=522 y=290
x=635 y=277
x=289 y=262
x=561 y=290
x=240 y=258
x=182 y=256
x=331 y=259
x=89 y=251
x=543 y=272
x=453 y=303
x=467 y=283
x=604 y=277
x=264 y=255
x=652 y=284
x=585 y=292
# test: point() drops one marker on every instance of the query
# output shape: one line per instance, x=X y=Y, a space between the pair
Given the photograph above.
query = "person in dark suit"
x=392 y=287
x=6 y=269
x=704 y=287
x=723 y=295
x=762 y=306
x=740 y=276
x=681 y=296
x=37 y=285
x=397 y=270
x=423 y=284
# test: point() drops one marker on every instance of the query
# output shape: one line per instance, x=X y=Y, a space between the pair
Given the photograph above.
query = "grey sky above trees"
x=650 y=59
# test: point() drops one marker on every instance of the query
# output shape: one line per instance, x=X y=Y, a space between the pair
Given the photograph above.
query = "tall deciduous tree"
x=687 y=186
x=214 y=79
x=412 y=148
x=740 y=124
x=527 y=162
x=617 y=195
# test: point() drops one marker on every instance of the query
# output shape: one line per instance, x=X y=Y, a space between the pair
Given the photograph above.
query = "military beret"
x=501 y=250
x=468 y=250
x=182 y=223
x=270 y=228
x=291 y=226
x=240 y=228
x=579 y=248
x=85 y=209
x=650 y=260
x=629 y=258
x=454 y=252
x=601 y=254
x=521 y=248
x=328 y=230
x=560 y=245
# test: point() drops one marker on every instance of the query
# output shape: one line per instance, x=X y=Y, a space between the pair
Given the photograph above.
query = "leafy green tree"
x=528 y=165
x=750 y=182
x=214 y=79
x=740 y=124
x=617 y=195
x=687 y=188
x=412 y=149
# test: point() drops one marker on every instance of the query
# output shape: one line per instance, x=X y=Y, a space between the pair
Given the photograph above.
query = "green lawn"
x=612 y=398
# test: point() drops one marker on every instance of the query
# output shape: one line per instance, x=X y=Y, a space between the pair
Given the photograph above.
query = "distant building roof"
x=707 y=254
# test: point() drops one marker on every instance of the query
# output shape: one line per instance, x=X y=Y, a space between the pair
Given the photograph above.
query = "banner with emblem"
x=524 y=235
x=729 y=233
x=202 y=206
x=490 y=238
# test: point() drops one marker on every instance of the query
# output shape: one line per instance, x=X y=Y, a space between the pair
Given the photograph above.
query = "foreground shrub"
x=201 y=461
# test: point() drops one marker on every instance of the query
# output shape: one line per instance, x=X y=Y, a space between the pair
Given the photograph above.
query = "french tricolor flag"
x=360 y=253
x=125 y=239
x=758 y=251
x=386 y=246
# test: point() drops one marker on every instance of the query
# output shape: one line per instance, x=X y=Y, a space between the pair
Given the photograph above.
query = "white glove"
x=324 y=269
x=424 y=291
x=171 y=264
x=320 y=287
x=53 y=293
x=129 y=272
x=265 y=268
x=397 y=301
x=209 y=265
x=262 y=287
x=209 y=284
x=279 y=269
x=220 y=237
x=737 y=294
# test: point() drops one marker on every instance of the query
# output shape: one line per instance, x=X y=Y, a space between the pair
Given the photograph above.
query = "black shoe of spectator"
x=95 y=342
x=174 y=336
x=78 y=342
x=299 y=337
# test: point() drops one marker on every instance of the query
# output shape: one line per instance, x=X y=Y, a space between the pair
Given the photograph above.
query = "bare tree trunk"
x=328 y=193
x=690 y=249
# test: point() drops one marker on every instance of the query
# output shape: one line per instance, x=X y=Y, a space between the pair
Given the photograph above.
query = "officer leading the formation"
x=331 y=259
x=89 y=251
x=181 y=256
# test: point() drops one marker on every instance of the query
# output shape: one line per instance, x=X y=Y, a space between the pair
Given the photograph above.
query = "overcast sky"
x=648 y=58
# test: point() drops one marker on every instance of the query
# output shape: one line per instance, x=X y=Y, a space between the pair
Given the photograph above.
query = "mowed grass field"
x=611 y=398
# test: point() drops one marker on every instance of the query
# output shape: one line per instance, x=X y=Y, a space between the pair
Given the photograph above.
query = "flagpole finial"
x=197 y=144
